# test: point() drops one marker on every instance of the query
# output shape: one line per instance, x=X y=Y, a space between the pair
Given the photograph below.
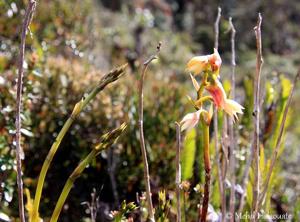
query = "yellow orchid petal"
x=195 y=83
x=197 y=64
x=232 y=108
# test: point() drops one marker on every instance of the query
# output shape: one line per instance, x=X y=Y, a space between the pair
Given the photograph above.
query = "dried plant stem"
x=256 y=133
x=141 y=131
x=230 y=126
x=243 y=185
x=207 y=168
x=215 y=119
x=256 y=116
x=110 y=77
x=184 y=206
x=216 y=28
x=178 y=170
x=112 y=161
x=19 y=152
x=278 y=141
x=224 y=165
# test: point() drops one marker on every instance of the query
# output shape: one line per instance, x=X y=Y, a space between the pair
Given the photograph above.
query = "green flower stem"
x=106 y=79
x=200 y=101
x=69 y=184
x=202 y=87
x=207 y=168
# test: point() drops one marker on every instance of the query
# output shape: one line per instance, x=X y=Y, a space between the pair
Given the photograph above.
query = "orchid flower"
x=210 y=66
x=190 y=120
x=211 y=63
x=231 y=107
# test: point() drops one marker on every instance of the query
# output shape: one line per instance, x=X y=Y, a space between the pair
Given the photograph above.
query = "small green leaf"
x=188 y=155
x=249 y=191
x=262 y=161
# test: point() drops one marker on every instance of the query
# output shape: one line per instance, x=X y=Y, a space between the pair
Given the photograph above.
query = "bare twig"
x=141 y=130
x=230 y=126
x=26 y=22
x=256 y=115
x=93 y=205
x=257 y=104
x=233 y=63
x=278 y=141
x=243 y=185
x=219 y=169
x=112 y=161
x=217 y=22
x=178 y=170
x=207 y=167
x=224 y=162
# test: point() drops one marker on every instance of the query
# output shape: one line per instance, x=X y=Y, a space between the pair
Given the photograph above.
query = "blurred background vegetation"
x=72 y=43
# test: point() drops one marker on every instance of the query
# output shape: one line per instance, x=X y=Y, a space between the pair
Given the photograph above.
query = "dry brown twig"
x=278 y=141
x=216 y=28
x=178 y=170
x=25 y=26
x=256 y=116
x=230 y=125
x=215 y=119
x=141 y=131
x=255 y=146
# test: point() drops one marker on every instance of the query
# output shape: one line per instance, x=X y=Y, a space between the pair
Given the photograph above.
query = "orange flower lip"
x=217 y=96
x=231 y=107
x=218 y=93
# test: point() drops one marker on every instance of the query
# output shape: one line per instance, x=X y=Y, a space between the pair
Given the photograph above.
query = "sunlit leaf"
x=188 y=154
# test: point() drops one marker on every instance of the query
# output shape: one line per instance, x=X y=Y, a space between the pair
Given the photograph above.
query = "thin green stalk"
x=106 y=79
x=202 y=87
x=106 y=141
x=207 y=168
x=69 y=184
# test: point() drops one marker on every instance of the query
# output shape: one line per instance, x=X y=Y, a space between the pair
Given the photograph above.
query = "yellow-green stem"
x=207 y=169
x=106 y=141
x=110 y=77
x=68 y=185
x=45 y=168
x=200 y=101
x=201 y=89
